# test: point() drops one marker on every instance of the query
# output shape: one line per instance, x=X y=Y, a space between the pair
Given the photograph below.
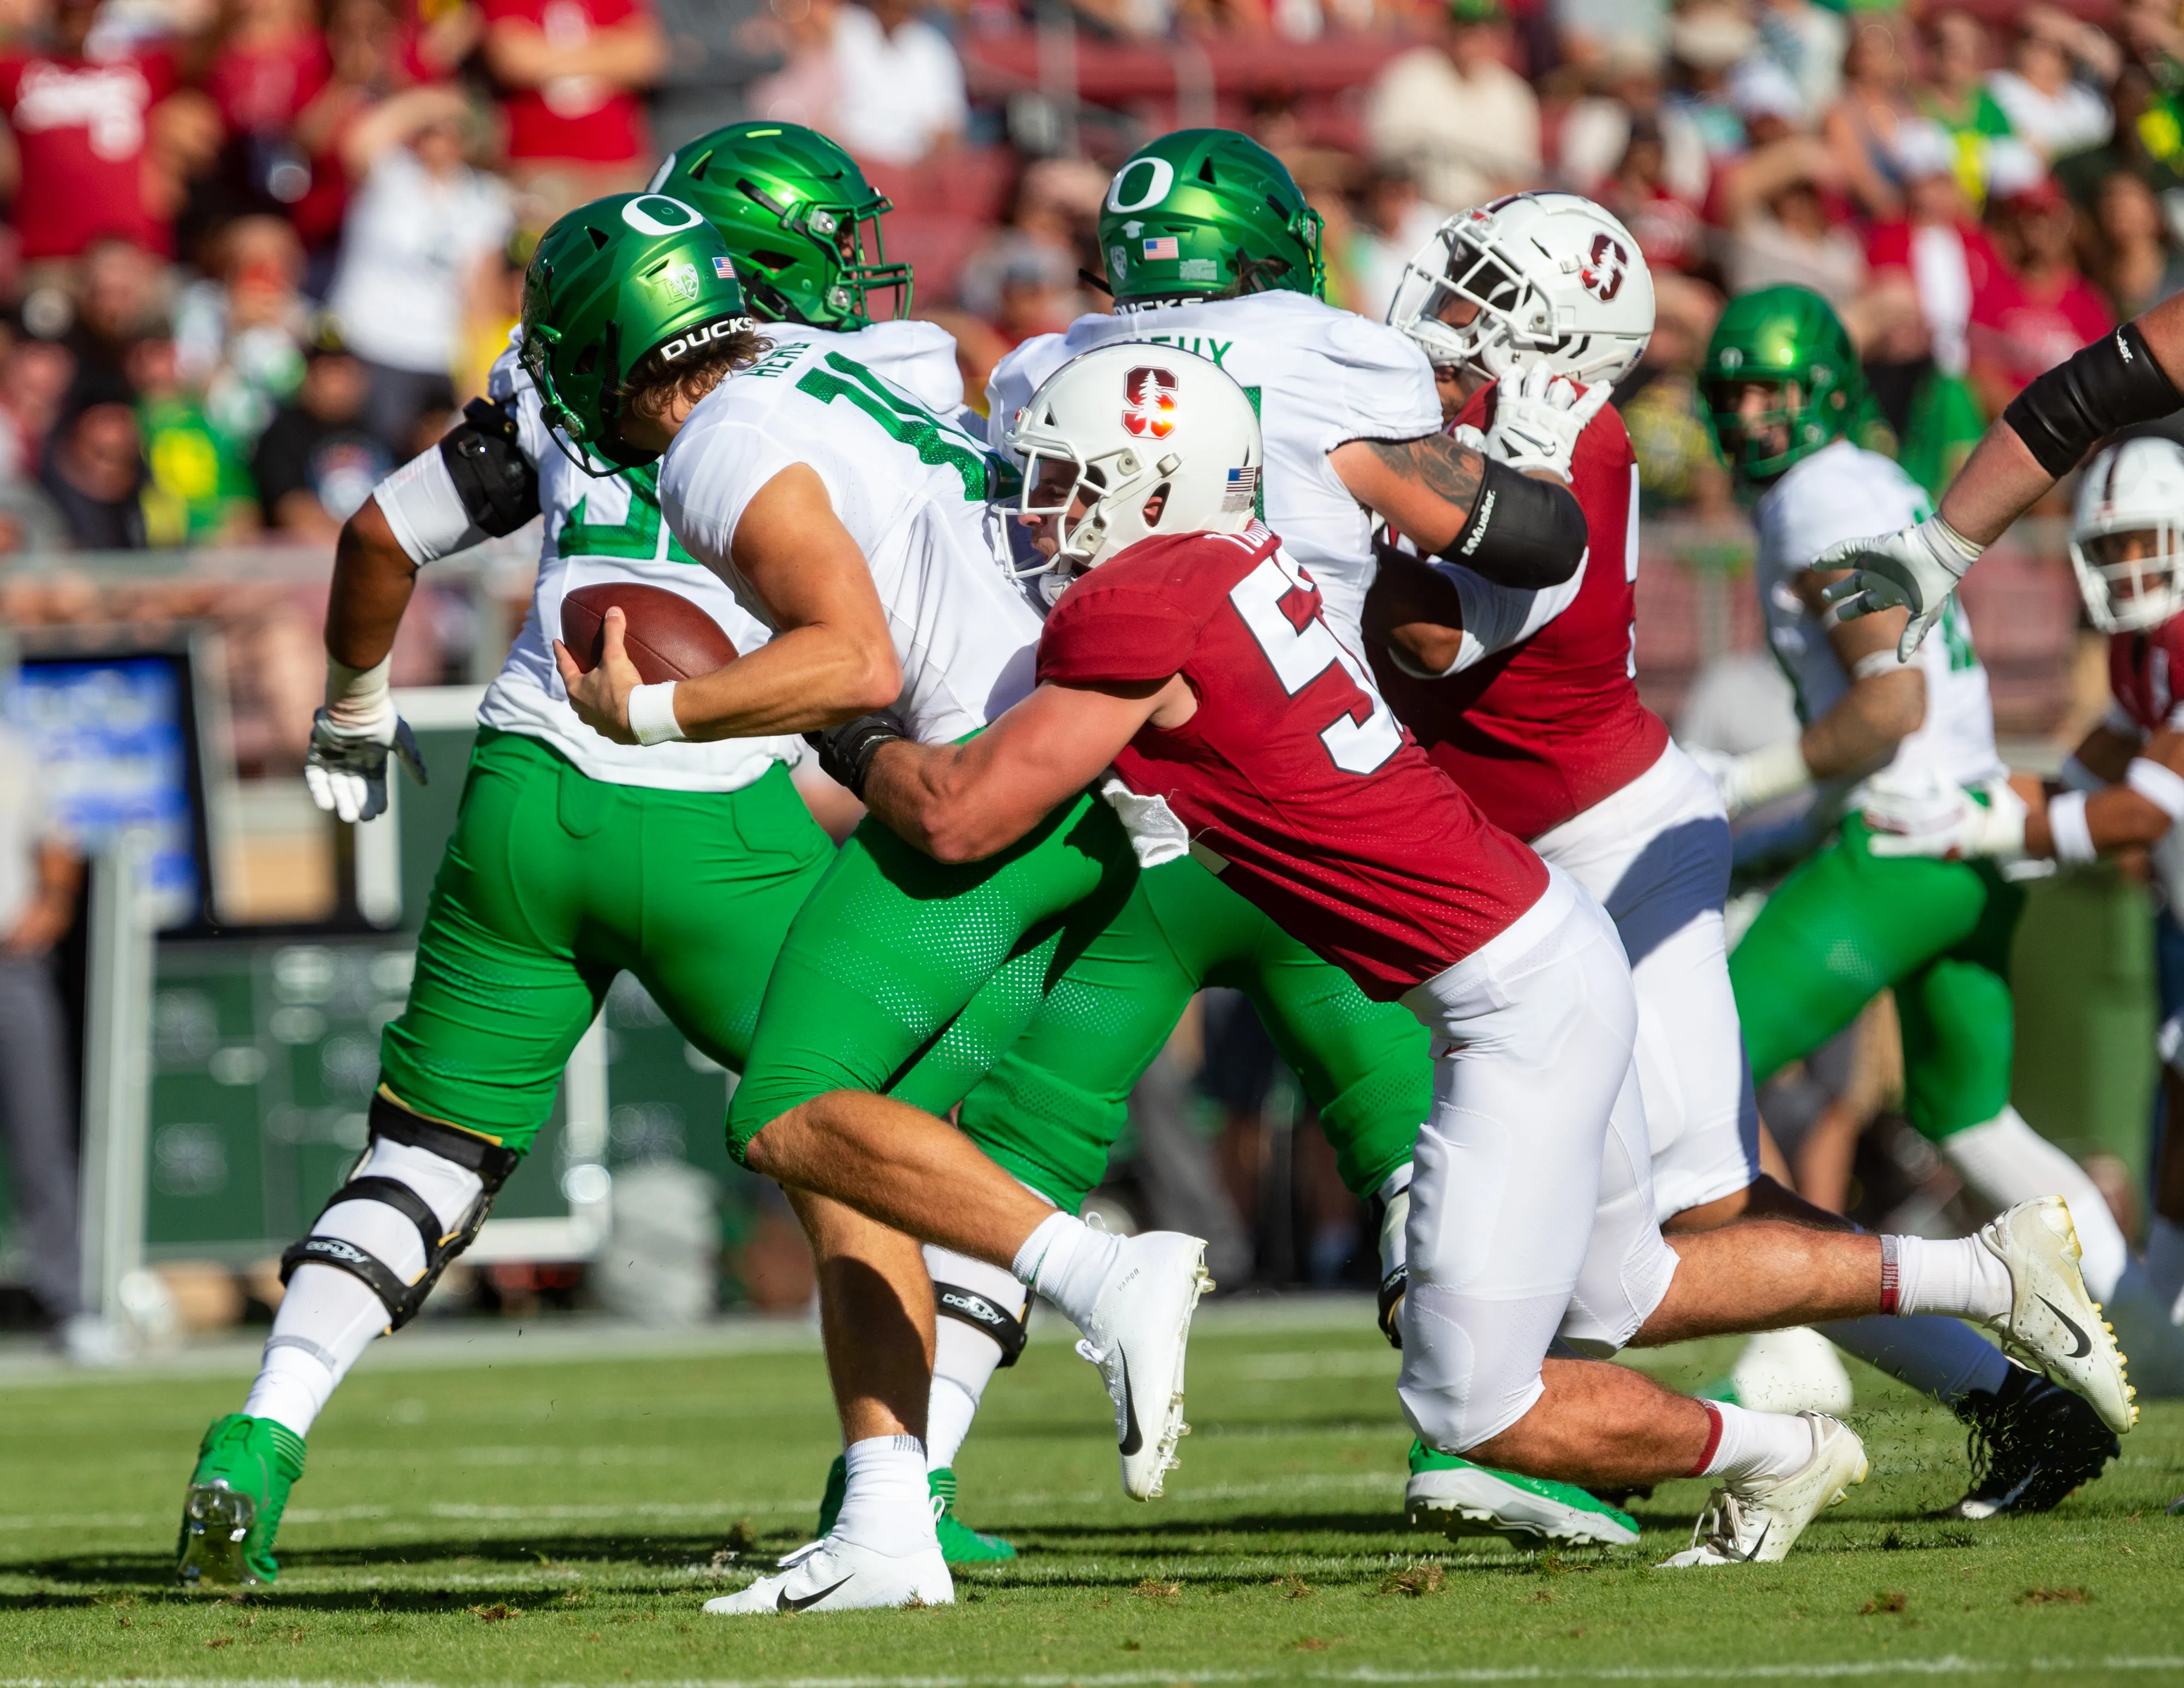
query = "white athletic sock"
x=1959 y=1276
x=326 y=1320
x=1942 y=1358
x=964 y=1356
x=2007 y=1161
x=2165 y=1261
x=887 y=1504
x=1067 y=1261
x=1748 y=1445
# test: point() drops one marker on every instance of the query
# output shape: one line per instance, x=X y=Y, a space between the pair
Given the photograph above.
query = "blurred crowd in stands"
x=257 y=251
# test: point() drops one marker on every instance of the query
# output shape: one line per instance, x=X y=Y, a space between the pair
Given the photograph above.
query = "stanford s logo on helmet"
x=1603 y=276
x=1149 y=402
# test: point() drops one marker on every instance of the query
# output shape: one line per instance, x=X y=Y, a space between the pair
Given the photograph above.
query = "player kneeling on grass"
x=1193 y=660
x=2122 y=789
x=1529 y=700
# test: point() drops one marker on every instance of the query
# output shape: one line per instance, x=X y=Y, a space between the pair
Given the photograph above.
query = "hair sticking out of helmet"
x=1130 y=429
x=631 y=280
x=1534 y=278
x=2128 y=535
x=1208 y=213
x=800 y=218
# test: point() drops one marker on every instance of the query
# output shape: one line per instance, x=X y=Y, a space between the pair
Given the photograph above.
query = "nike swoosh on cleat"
x=783 y=1603
x=2085 y=1342
x=1132 y=1439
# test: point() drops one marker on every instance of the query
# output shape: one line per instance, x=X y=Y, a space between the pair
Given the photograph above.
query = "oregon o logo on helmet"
x=1149 y=402
x=1603 y=273
x=1160 y=177
x=655 y=213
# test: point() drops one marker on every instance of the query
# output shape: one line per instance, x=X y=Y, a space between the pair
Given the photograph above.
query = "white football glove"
x=1538 y=416
x=1756 y=778
x=345 y=769
x=1915 y=568
x=1945 y=821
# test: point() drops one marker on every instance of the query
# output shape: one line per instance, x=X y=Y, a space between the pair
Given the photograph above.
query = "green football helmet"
x=1792 y=337
x=1208 y=211
x=611 y=283
x=796 y=213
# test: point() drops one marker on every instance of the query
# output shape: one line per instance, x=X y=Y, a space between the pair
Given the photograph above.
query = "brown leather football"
x=668 y=636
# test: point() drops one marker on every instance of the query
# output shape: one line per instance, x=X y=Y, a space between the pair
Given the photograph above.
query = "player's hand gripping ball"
x=658 y=636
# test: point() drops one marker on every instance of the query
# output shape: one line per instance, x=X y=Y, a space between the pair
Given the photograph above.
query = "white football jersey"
x=919 y=357
x=912 y=490
x=1840 y=493
x=1319 y=376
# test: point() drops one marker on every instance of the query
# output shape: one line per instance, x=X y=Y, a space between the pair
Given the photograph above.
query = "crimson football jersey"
x=1547 y=727
x=2144 y=673
x=1325 y=812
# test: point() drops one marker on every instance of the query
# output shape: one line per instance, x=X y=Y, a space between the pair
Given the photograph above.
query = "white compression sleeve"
x=424 y=510
x=964 y=1356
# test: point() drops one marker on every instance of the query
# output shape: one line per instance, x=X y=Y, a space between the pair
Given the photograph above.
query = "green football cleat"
x=1462 y=1499
x=960 y=1544
x=233 y=1509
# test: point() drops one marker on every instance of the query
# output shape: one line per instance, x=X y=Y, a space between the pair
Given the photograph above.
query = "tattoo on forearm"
x=1437 y=462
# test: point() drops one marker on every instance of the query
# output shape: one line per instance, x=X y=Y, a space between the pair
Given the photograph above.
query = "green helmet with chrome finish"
x=611 y=283
x=1208 y=211
x=1790 y=338
x=797 y=213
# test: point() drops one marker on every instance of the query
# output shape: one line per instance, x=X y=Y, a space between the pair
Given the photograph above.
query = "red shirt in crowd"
x=581 y=118
x=80 y=129
x=2019 y=331
x=1322 y=810
x=264 y=88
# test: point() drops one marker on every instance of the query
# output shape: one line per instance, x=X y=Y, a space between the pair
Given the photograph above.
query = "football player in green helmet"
x=1788 y=402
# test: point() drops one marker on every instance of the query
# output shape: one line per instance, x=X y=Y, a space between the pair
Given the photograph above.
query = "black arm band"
x=1522 y=533
x=846 y=752
x=484 y=455
x=2109 y=385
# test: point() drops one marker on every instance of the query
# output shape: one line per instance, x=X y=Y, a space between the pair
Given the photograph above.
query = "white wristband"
x=1875 y=662
x=2066 y=826
x=2162 y=787
x=1965 y=550
x=652 y=714
x=1771 y=772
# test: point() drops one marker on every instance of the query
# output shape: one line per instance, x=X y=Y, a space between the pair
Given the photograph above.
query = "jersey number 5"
x=1299 y=655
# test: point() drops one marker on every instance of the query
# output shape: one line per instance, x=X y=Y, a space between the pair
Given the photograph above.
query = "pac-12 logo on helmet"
x=1602 y=274
x=1149 y=402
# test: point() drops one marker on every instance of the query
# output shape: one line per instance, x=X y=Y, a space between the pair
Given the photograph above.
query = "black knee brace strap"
x=492 y=1163
x=953 y=1300
x=2110 y=384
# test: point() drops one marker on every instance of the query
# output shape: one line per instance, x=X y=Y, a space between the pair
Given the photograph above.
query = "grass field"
x=477 y=1512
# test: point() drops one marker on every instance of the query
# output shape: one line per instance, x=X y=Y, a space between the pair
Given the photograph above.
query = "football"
x=668 y=636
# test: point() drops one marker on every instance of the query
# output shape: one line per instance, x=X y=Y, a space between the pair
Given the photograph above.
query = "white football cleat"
x=1138 y=1329
x=2053 y=1325
x=836 y=1576
x=1791 y=1371
x=1760 y=1521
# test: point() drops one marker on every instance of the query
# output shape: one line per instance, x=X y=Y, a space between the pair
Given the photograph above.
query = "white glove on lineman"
x=1944 y=820
x=1916 y=568
x=1757 y=777
x=345 y=769
x=1538 y=416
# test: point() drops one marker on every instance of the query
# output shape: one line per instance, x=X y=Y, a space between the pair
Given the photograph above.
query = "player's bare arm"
x=372 y=580
x=1456 y=501
x=1415 y=610
x=1886 y=701
x=831 y=660
x=965 y=802
x=2122 y=816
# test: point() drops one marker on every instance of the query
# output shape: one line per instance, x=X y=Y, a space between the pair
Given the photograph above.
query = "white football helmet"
x=1532 y=278
x=2134 y=487
x=1132 y=420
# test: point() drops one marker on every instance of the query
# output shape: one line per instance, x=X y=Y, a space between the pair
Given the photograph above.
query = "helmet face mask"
x=1113 y=427
x=1534 y=278
x=613 y=283
x=1208 y=213
x=799 y=218
x=1789 y=338
x=2128 y=536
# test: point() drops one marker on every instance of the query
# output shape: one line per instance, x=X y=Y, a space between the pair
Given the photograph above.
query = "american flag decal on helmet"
x=1241 y=492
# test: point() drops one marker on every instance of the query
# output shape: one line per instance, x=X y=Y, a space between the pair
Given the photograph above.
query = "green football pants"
x=1056 y=1097
x=1847 y=925
x=893 y=946
x=553 y=883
